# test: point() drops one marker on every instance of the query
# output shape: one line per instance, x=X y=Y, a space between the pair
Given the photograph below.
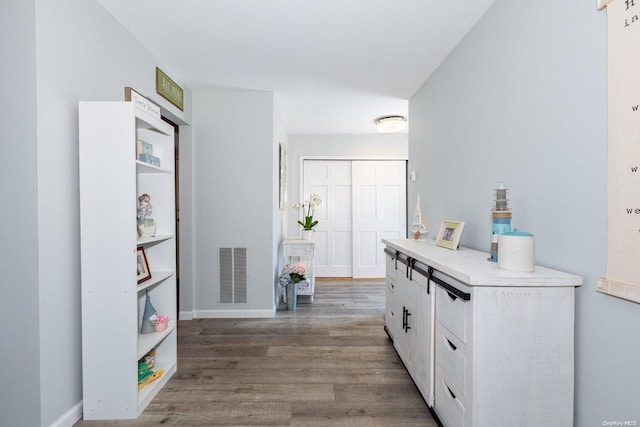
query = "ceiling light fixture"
x=390 y=124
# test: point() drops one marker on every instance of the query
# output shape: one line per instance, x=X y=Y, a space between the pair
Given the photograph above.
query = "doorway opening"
x=364 y=201
x=176 y=146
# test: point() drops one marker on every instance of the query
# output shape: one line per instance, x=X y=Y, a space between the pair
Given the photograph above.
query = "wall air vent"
x=233 y=275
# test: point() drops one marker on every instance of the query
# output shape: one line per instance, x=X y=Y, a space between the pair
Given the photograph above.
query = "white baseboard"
x=69 y=418
x=233 y=314
x=185 y=315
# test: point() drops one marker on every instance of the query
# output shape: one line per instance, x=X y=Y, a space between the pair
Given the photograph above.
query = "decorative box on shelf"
x=148 y=158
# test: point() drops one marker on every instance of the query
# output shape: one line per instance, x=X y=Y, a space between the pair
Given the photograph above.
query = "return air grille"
x=233 y=275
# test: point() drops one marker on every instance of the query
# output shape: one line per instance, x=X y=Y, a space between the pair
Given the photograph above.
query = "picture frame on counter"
x=144 y=273
x=450 y=234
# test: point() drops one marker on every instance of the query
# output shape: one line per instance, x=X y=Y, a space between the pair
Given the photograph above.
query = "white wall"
x=344 y=146
x=81 y=53
x=233 y=196
x=186 y=236
x=279 y=137
x=19 y=345
x=523 y=99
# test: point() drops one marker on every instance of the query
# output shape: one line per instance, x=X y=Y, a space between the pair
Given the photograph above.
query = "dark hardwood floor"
x=329 y=363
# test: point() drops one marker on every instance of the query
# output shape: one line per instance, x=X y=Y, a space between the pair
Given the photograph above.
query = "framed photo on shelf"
x=144 y=273
x=449 y=234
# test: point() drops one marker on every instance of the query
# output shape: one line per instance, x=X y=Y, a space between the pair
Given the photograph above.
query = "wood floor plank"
x=329 y=363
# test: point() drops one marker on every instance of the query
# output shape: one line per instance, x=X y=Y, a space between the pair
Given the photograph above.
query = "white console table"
x=493 y=348
x=296 y=250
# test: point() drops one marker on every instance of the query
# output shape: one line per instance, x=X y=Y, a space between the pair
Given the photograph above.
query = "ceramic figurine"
x=148 y=317
x=144 y=206
x=146 y=225
x=418 y=226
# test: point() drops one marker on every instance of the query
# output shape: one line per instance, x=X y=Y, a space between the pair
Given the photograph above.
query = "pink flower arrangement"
x=162 y=319
x=292 y=273
x=161 y=323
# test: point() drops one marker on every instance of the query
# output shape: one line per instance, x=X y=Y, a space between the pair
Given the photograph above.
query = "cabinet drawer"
x=391 y=266
x=391 y=288
x=389 y=322
x=451 y=359
x=448 y=406
x=451 y=312
x=298 y=250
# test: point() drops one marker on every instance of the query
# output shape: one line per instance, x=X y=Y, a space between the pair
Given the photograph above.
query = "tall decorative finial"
x=501 y=214
x=418 y=225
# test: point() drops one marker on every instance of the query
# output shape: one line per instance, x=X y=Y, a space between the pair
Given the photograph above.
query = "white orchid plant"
x=308 y=208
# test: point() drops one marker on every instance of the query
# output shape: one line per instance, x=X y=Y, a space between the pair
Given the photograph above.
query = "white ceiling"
x=334 y=65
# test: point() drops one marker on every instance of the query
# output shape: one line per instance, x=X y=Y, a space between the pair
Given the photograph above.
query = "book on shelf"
x=144 y=147
x=147 y=158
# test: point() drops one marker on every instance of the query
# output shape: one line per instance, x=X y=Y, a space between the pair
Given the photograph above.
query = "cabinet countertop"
x=472 y=268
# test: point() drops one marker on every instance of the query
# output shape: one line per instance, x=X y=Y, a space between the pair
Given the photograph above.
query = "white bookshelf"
x=111 y=179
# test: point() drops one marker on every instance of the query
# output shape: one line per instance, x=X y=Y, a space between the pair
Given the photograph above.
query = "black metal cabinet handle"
x=450 y=392
x=393 y=255
x=453 y=291
x=404 y=318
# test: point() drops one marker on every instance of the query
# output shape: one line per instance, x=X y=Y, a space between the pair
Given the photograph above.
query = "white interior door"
x=354 y=218
x=379 y=211
x=332 y=181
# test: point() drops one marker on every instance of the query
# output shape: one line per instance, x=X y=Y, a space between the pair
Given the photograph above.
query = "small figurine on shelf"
x=146 y=374
x=145 y=365
x=144 y=206
x=150 y=378
x=148 y=317
x=419 y=225
x=146 y=225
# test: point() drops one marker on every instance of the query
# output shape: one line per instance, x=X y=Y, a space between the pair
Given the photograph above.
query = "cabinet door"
x=390 y=309
x=413 y=341
x=401 y=336
x=424 y=351
x=413 y=321
x=390 y=314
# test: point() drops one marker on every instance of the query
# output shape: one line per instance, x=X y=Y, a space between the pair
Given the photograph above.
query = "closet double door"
x=364 y=201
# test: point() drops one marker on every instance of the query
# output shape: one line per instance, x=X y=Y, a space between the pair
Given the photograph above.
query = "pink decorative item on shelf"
x=161 y=323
